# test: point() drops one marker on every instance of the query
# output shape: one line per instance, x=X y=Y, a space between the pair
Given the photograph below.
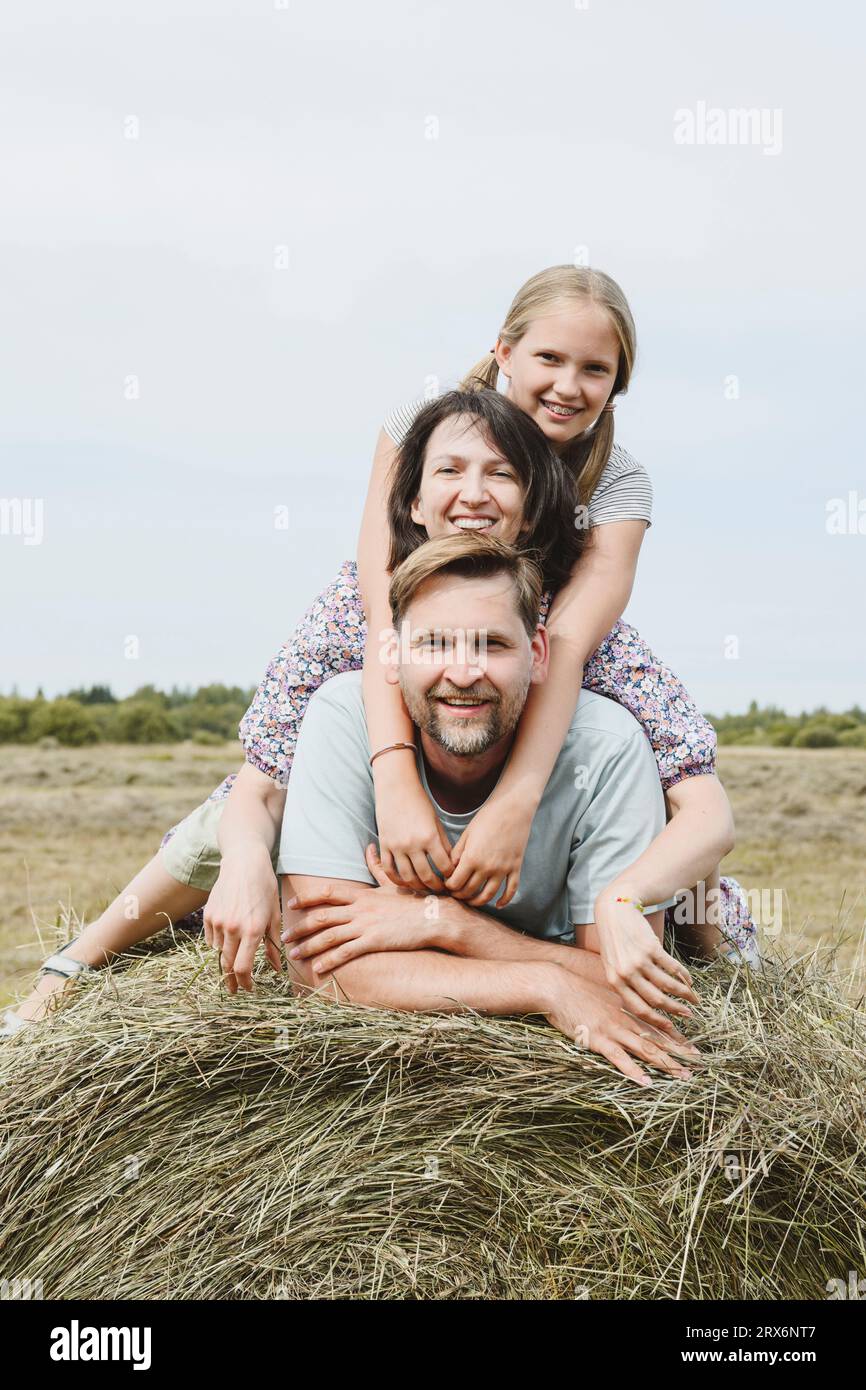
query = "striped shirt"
x=623 y=492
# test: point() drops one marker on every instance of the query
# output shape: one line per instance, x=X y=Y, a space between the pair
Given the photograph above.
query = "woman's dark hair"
x=553 y=538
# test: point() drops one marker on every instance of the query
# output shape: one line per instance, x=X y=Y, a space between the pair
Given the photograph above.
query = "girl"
x=566 y=349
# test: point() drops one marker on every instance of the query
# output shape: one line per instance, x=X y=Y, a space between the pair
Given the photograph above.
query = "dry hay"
x=161 y=1140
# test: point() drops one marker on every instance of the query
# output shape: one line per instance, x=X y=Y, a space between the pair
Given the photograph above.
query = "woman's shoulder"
x=396 y=424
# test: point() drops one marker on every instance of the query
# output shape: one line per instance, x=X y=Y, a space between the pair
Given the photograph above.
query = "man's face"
x=468 y=661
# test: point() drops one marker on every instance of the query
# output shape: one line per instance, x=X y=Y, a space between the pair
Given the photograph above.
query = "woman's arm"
x=696 y=838
x=243 y=908
x=408 y=827
x=699 y=834
x=252 y=815
x=583 y=612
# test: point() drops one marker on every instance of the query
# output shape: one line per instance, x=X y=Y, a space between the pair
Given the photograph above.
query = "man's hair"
x=473 y=556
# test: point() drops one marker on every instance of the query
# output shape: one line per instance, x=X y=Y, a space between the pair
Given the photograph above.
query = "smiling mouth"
x=473 y=523
x=564 y=411
x=460 y=702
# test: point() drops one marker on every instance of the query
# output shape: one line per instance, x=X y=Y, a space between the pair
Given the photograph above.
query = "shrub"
x=14 y=719
x=141 y=721
x=66 y=720
x=10 y=726
x=815 y=736
x=781 y=735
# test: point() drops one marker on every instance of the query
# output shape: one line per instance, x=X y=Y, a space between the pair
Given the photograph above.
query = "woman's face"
x=467 y=485
x=562 y=370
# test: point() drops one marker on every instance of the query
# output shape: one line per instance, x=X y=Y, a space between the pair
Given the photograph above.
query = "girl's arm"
x=582 y=613
x=408 y=827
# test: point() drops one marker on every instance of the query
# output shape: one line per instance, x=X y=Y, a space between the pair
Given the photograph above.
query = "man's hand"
x=592 y=1016
x=243 y=909
x=339 y=925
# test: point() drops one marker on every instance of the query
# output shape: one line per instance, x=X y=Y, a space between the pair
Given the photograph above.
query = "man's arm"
x=429 y=981
x=465 y=931
x=423 y=980
x=335 y=923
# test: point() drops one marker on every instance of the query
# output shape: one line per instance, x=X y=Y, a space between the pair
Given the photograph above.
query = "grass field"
x=75 y=825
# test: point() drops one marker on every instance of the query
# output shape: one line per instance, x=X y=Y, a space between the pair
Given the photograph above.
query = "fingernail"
x=292 y=902
x=295 y=952
x=646 y=1081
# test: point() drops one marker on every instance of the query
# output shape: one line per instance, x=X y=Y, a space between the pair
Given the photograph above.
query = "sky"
x=236 y=235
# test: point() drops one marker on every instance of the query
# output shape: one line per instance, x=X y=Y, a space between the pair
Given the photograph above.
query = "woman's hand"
x=490 y=851
x=636 y=964
x=409 y=830
x=243 y=909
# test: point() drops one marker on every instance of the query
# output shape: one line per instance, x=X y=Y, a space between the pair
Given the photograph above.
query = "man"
x=354 y=935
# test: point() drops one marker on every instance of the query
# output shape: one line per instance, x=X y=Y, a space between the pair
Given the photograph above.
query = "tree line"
x=211 y=714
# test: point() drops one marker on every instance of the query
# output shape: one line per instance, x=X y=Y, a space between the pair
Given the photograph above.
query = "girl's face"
x=467 y=485
x=562 y=370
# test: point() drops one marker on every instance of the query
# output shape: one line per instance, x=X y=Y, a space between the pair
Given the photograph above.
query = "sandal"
x=12 y=1024
x=745 y=954
x=59 y=965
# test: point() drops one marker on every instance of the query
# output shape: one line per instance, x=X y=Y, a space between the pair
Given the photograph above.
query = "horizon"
x=189 y=691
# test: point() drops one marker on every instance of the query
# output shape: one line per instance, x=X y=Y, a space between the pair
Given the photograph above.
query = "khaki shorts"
x=192 y=855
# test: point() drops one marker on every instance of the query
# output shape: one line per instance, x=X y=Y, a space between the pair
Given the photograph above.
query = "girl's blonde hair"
x=586 y=457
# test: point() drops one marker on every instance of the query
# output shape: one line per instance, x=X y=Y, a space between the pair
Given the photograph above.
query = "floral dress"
x=331 y=638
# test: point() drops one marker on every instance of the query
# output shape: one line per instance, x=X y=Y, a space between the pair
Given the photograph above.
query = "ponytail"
x=484 y=373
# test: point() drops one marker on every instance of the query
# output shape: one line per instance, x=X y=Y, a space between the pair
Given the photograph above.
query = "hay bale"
x=161 y=1140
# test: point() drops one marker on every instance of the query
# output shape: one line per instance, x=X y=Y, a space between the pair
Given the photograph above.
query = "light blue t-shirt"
x=601 y=808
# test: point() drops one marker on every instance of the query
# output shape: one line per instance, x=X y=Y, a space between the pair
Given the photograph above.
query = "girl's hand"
x=242 y=911
x=409 y=830
x=490 y=851
x=637 y=966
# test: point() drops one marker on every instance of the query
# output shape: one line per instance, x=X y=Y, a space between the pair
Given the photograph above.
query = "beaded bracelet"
x=634 y=902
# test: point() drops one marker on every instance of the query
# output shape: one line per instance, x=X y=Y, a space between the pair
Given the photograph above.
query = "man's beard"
x=465 y=736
